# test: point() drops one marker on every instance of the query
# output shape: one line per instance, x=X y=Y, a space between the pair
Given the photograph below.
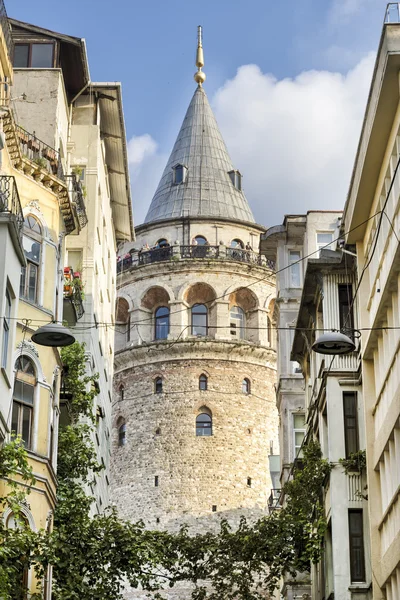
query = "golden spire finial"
x=199 y=77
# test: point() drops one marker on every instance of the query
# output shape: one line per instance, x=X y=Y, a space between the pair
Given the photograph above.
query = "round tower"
x=194 y=417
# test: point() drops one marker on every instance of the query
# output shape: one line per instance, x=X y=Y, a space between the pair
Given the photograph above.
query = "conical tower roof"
x=207 y=189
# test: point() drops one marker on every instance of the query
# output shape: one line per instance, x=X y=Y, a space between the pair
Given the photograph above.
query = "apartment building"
x=84 y=121
x=371 y=222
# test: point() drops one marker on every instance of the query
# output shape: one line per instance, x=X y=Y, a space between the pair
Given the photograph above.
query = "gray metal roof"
x=208 y=190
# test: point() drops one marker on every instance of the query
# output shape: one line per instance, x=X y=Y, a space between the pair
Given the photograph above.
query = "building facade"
x=194 y=416
x=84 y=121
x=371 y=222
x=290 y=245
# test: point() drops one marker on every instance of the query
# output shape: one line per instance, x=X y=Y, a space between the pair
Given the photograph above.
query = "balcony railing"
x=392 y=14
x=167 y=253
x=73 y=296
x=10 y=202
x=78 y=198
x=274 y=499
x=5 y=25
x=40 y=153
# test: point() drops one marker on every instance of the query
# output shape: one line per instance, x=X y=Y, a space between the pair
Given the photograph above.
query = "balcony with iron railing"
x=39 y=152
x=78 y=198
x=274 y=500
x=10 y=204
x=73 y=309
x=183 y=252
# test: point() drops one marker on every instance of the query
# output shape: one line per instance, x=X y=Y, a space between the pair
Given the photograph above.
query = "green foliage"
x=92 y=555
x=78 y=382
x=356 y=462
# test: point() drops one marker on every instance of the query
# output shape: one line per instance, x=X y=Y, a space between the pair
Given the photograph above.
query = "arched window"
x=203 y=424
x=203 y=381
x=269 y=331
x=20 y=588
x=23 y=396
x=237 y=321
x=199 y=320
x=158 y=385
x=122 y=434
x=246 y=386
x=121 y=392
x=162 y=243
x=200 y=240
x=237 y=243
x=162 y=323
x=32 y=243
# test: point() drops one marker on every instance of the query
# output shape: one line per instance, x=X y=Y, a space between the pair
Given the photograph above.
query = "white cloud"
x=294 y=140
x=141 y=147
x=146 y=167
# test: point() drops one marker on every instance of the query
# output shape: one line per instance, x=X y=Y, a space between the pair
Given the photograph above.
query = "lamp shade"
x=333 y=342
x=53 y=334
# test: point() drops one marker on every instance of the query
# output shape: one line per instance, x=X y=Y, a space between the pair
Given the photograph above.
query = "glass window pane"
x=32 y=282
x=201 y=241
x=178 y=174
x=23 y=391
x=21 y=55
x=324 y=238
x=26 y=426
x=33 y=224
x=14 y=419
x=31 y=249
x=25 y=365
x=42 y=56
x=299 y=421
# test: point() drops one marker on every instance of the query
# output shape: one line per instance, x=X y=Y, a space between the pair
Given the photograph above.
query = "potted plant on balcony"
x=355 y=463
x=41 y=162
x=68 y=281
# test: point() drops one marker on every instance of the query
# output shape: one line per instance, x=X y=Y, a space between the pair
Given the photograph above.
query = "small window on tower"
x=180 y=174
x=236 y=178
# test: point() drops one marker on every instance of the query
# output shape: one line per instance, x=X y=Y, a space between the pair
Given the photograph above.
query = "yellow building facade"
x=38 y=200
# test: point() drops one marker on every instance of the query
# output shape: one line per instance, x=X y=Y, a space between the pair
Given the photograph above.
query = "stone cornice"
x=194 y=349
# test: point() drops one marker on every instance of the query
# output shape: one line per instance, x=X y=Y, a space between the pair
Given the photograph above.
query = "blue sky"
x=150 y=47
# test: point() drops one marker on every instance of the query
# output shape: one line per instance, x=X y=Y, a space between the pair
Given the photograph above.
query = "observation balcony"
x=10 y=204
x=176 y=253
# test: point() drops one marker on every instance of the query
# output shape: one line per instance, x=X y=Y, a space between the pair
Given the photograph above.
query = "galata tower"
x=195 y=419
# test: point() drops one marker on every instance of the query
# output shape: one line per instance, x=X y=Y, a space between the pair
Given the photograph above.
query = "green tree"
x=92 y=555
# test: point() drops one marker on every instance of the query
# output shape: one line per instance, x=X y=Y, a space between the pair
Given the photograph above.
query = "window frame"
x=157 y=318
x=204 y=428
x=30 y=45
x=345 y=300
x=6 y=329
x=122 y=434
x=293 y=267
x=31 y=234
x=203 y=382
x=183 y=170
x=246 y=386
x=158 y=385
x=22 y=405
x=356 y=544
x=296 y=447
x=325 y=245
x=193 y=313
x=235 y=320
x=351 y=446
x=236 y=179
